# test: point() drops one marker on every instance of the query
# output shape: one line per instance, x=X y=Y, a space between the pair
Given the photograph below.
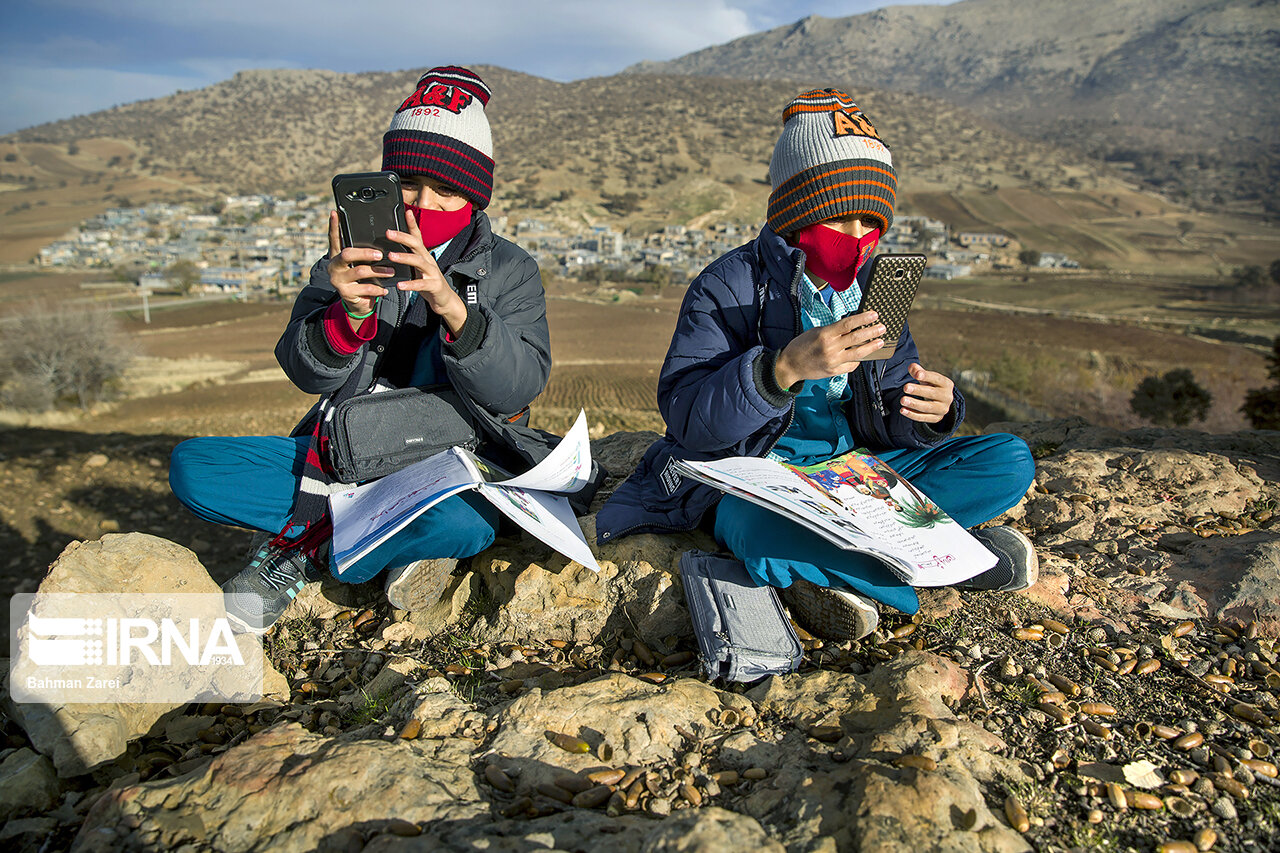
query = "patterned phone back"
x=890 y=289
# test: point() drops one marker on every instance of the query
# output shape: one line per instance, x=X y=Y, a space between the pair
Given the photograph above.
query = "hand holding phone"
x=369 y=204
x=890 y=290
x=826 y=351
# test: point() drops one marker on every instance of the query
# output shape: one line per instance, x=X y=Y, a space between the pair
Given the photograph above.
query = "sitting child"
x=766 y=360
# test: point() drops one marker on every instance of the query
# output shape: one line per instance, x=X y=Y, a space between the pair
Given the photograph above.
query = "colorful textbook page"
x=861 y=504
x=367 y=515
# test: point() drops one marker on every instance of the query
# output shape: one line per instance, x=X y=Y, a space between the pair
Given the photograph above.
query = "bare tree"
x=59 y=354
x=184 y=274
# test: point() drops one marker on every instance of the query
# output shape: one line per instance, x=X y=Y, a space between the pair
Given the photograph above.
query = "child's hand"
x=929 y=398
x=829 y=350
x=353 y=273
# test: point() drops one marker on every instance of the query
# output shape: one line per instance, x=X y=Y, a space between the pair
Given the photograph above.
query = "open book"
x=861 y=504
x=367 y=515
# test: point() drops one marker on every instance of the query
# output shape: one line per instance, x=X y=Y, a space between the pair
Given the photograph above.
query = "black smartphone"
x=891 y=287
x=368 y=204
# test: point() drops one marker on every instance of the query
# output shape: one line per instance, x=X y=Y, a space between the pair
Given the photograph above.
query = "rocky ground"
x=1127 y=702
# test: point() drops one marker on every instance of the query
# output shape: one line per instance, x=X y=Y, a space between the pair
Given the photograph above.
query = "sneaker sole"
x=239 y=626
x=421 y=585
x=1032 y=561
x=829 y=614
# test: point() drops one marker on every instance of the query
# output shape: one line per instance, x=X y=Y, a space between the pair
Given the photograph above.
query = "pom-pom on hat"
x=829 y=162
x=441 y=130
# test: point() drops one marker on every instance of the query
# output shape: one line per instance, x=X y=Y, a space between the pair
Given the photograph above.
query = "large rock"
x=709 y=830
x=871 y=802
x=1235 y=577
x=1162 y=516
x=288 y=790
x=541 y=596
x=637 y=720
x=27 y=783
x=79 y=737
x=330 y=596
x=619 y=454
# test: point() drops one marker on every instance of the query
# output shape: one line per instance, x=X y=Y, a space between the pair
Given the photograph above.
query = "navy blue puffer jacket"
x=737 y=314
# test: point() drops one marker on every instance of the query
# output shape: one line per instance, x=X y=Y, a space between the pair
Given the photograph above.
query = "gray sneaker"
x=419 y=584
x=257 y=597
x=1016 y=567
x=833 y=614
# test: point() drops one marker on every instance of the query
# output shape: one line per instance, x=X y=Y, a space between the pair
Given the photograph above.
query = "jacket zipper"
x=647 y=528
x=873 y=388
x=796 y=327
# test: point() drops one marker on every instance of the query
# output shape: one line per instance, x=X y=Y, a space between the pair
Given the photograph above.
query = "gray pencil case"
x=742 y=630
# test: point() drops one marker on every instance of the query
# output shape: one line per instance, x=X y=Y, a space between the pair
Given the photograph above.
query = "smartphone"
x=890 y=288
x=368 y=204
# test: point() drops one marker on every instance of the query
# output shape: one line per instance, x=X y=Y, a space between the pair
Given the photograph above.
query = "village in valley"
x=255 y=246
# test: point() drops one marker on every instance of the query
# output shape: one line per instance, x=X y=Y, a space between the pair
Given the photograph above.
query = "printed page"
x=566 y=469
x=548 y=517
x=776 y=487
x=859 y=503
x=367 y=515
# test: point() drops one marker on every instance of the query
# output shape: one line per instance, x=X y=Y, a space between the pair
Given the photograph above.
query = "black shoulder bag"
x=371 y=435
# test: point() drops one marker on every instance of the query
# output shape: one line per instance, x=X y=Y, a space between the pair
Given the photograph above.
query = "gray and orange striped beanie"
x=441 y=130
x=829 y=162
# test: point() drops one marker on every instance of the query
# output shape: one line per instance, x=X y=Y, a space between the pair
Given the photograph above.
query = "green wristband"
x=364 y=316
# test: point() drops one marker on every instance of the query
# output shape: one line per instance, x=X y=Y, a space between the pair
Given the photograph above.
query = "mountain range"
x=1083 y=105
x=1184 y=90
x=633 y=148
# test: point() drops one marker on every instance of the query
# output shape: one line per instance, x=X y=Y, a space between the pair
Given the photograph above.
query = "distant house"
x=947 y=271
x=982 y=238
x=1049 y=260
x=922 y=223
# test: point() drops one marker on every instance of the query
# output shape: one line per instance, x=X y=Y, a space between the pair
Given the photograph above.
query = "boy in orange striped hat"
x=767 y=360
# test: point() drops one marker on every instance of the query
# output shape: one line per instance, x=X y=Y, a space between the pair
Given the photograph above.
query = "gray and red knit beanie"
x=441 y=130
x=829 y=162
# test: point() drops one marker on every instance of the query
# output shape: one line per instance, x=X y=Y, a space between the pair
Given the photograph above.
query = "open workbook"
x=861 y=504
x=367 y=515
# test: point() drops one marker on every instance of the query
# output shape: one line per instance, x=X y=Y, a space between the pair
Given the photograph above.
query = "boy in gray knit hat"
x=767 y=359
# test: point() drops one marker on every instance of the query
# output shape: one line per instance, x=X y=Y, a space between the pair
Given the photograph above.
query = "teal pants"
x=972 y=478
x=251 y=481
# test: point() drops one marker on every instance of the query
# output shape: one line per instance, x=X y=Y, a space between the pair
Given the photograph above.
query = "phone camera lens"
x=899 y=273
x=366 y=193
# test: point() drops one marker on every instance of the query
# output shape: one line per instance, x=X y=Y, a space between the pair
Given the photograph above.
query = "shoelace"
x=277 y=577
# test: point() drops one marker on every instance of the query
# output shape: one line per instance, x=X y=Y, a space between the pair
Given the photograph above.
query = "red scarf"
x=439 y=226
x=833 y=255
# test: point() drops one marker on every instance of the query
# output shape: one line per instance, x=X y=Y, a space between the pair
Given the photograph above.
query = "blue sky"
x=60 y=58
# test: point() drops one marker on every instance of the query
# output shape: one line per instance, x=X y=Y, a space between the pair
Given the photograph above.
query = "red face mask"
x=439 y=226
x=835 y=256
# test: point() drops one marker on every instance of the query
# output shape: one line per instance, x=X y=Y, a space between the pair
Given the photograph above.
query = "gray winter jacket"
x=499 y=363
